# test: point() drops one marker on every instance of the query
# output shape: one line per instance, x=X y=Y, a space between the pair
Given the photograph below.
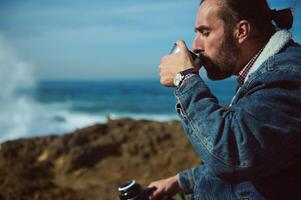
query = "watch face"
x=177 y=79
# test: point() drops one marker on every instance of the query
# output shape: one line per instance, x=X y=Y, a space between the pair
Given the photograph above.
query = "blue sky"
x=101 y=39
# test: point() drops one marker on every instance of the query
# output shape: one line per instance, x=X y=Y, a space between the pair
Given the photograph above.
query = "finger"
x=182 y=45
x=155 y=194
x=183 y=48
x=158 y=194
x=152 y=185
x=150 y=190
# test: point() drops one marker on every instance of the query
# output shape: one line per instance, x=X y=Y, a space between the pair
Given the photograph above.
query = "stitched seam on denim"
x=185 y=79
x=194 y=182
x=262 y=70
x=205 y=143
x=258 y=75
x=185 y=115
x=210 y=193
x=186 y=187
x=182 y=91
x=250 y=91
x=201 y=137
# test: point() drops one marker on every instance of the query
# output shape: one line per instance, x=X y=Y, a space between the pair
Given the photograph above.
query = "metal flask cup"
x=131 y=190
x=196 y=57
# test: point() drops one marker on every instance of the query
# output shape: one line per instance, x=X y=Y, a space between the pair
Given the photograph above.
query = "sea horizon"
x=61 y=106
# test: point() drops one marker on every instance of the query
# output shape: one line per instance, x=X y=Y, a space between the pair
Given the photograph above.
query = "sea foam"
x=16 y=111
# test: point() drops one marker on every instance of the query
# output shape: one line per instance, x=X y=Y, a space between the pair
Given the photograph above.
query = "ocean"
x=57 y=107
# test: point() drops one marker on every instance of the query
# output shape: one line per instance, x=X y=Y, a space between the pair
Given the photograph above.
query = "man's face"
x=214 y=42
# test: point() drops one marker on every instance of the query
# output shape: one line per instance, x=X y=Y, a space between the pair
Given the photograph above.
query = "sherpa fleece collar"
x=275 y=44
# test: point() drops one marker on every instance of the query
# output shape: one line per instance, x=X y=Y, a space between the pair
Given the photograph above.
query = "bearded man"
x=251 y=149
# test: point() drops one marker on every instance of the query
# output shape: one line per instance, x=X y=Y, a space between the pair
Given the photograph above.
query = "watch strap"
x=185 y=74
x=188 y=71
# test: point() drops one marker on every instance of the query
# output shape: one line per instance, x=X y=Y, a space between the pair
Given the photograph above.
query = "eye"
x=205 y=33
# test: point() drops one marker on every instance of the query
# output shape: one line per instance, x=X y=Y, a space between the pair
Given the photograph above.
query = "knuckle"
x=180 y=42
x=164 y=58
x=163 y=81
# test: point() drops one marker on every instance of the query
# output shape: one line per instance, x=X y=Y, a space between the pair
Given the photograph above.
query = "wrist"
x=183 y=75
x=174 y=180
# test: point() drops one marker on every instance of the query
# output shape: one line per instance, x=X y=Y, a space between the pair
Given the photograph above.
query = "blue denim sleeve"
x=257 y=134
x=189 y=178
x=186 y=181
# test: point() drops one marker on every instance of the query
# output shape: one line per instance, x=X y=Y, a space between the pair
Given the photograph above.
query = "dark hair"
x=283 y=18
x=257 y=12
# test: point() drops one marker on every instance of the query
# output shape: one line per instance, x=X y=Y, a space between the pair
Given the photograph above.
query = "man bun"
x=283 y=18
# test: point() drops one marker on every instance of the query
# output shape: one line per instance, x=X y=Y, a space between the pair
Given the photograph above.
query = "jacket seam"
x=206 y=143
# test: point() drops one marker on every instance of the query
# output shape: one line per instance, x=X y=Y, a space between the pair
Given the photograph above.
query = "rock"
x=91 y=162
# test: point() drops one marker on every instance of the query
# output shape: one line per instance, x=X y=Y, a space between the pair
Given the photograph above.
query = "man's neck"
x=247 y=52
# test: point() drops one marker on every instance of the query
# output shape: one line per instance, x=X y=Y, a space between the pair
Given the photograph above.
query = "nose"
x=197 y=44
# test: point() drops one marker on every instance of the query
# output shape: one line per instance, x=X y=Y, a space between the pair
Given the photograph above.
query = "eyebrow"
x=201 y=28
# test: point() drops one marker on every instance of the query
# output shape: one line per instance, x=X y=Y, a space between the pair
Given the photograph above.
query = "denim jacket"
x=251 y=149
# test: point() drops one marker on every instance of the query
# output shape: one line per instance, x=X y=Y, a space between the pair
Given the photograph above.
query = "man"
x=251 y=150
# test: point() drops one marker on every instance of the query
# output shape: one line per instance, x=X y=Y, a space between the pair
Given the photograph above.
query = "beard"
x=224 y=65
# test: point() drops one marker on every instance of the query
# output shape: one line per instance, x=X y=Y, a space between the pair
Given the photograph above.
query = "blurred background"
x=66 y=65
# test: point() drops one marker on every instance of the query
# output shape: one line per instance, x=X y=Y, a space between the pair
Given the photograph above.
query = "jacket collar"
x=275 y=44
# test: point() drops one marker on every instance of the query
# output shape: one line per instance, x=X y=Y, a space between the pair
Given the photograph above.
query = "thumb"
x=183 y=48
x=182 y=45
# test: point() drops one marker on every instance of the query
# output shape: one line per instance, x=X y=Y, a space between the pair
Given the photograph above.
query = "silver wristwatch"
x=178 y=79
x=181 y=76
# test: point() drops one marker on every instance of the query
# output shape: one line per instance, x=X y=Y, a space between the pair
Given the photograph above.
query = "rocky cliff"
x=90 y=163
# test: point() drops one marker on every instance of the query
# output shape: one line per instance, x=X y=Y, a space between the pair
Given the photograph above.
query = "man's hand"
x=164 y=188
x=172 y=64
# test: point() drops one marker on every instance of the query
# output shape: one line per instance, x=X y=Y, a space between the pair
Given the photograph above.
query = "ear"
x=242 y=31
